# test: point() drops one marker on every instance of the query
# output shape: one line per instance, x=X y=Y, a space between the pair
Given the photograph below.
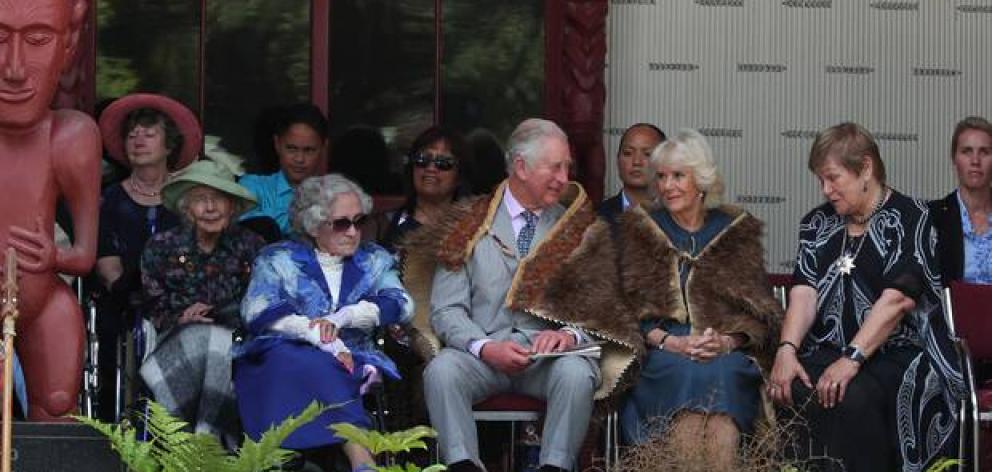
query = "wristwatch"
x=854 y=353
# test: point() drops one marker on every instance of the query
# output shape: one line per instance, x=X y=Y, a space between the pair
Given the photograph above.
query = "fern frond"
x=412 y=438
x=135 y=454
x=200 y=452
x=173 y=449
x=162 y=425
x=369 y=439
x=944 y=464
x=168 y=437
x=378 y=443
x=267 y=453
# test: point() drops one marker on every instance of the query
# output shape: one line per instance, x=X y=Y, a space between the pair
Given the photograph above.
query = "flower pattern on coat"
x=176 y=273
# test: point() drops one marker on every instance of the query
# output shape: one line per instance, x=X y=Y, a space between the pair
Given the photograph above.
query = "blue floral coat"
x=287 y=279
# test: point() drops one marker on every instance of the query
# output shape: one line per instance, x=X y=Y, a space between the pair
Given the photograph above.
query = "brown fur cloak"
x=450 y=243
x=624 y=274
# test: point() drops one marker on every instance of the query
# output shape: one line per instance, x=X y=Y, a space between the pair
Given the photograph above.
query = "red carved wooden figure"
x=45 y=155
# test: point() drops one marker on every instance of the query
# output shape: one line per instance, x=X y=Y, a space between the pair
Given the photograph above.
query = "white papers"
x=592 y=350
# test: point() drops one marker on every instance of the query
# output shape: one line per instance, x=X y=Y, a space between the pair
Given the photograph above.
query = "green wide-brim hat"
x=209 y=173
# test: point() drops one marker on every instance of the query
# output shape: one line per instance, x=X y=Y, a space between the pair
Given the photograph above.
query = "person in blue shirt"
x=299 y=139
x=964 y=217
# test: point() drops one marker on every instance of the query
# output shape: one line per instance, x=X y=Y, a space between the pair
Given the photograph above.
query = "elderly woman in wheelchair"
x=193 y=277
x=310 y=311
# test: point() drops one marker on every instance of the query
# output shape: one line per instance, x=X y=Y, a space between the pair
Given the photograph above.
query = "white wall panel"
x=761 y=77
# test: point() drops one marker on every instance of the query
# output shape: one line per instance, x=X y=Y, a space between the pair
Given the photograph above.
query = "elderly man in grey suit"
x=480 y=305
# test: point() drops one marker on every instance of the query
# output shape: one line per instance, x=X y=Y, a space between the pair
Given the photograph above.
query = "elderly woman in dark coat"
x=193 y=277
x=152 y=135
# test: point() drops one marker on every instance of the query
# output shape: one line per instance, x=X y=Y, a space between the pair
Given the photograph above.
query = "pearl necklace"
x=135 y=187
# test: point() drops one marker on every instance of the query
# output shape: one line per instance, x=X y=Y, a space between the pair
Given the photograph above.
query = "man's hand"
x=553 y=341
x=505 y=356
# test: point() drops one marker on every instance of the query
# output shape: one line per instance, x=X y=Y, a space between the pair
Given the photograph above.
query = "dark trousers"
x=860 y=432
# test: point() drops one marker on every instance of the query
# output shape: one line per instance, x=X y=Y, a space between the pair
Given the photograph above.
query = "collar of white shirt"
x=516 y=211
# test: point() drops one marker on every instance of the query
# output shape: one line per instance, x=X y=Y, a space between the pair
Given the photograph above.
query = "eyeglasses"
x=341 y=225
x=440 y=161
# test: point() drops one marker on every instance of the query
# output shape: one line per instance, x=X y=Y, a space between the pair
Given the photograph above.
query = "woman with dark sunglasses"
x=311 y=310
x=434 y=176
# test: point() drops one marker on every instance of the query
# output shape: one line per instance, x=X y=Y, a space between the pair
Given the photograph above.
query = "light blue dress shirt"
x=977 y=249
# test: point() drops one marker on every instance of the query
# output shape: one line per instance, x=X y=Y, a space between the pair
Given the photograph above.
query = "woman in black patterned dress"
x=865 y=354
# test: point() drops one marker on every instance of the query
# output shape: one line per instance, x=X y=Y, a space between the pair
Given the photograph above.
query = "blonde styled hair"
x=688 y=148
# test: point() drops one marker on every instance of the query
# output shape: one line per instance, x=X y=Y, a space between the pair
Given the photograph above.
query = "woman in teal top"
x=299 y=138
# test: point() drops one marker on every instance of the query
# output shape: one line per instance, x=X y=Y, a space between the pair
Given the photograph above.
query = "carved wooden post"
x=575 y=92
x=77 y=85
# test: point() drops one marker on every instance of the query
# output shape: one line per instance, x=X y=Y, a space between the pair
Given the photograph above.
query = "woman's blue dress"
x=277 y=376
x=669 y=382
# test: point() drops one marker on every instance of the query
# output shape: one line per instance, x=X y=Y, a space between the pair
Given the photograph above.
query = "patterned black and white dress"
x=907 y=391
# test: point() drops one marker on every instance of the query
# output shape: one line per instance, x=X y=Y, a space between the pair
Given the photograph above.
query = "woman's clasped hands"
x=702 y=347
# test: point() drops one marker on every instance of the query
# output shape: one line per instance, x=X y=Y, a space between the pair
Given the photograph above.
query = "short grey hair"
x=688 y=148
x=315 y=196
x=526 y=140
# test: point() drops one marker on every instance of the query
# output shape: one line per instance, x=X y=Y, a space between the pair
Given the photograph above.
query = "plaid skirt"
x=189 y=373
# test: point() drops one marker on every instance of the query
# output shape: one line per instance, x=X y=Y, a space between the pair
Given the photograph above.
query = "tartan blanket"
x=189 y=373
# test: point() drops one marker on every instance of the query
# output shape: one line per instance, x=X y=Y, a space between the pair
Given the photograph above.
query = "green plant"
x=943 y=464
x=173 y=449
x=390 y=444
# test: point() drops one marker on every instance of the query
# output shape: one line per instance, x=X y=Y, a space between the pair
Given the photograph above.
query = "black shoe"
x=551 y=468
x=464 y=466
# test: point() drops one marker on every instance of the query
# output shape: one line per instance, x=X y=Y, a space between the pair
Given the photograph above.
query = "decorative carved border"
x=575 y=89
